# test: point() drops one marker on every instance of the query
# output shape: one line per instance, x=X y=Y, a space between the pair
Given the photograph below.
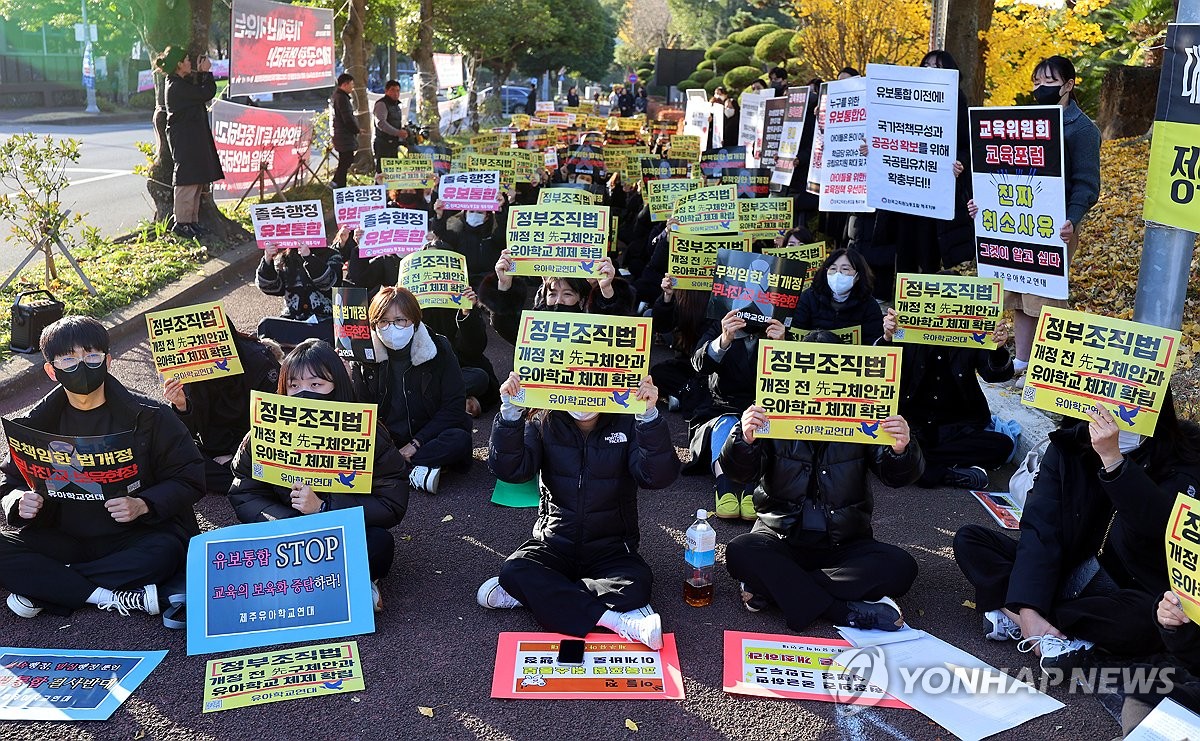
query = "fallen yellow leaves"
x=631 y=725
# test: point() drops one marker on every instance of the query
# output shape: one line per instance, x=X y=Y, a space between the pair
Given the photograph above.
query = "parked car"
x=512 y=98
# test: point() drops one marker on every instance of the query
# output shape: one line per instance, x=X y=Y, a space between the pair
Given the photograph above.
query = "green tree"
x=584 y=41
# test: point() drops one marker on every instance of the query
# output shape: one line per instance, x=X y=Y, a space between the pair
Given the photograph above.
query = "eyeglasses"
x=69 y=363
x=844 y=270
x=397 y=323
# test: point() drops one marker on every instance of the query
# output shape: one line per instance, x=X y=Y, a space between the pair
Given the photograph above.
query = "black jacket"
x=952 y=365
x=588 y=486
x=171 y=467
x=504 y=307
x=218 y=413
x=841 y=489
x=468 y=336
x=304 y=282
x=1071 y=506
x=815 y=311
x=480 y=245
x=188 y=133
x=431 y=390
x=257 y=501
x=345 y=125
x=730 y=379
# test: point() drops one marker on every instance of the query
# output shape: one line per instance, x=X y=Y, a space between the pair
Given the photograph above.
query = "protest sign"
x=437 y=278
x=586 y=160
x=796 y=668
x=329 y=445
x=1173 y=177
x=254 y=141
x=848 y=335
x=543 y=106
x=759 y=287
x=708 y=210
x=284 y=581
x=470 y=191
x=568 y=196
x=835 y=393
x=283 y=675
x=774 y=113
x=814 y=254
x=751 y=182
x=692 y=258
x=581 y=362
x=276 y=47
x=788 y=154
x=557 y=240
x=408 y=171
x=504 y=163
x=662 y=194
x=528 y=163
x=1083 y=360
x=750 y=129
x=550 y=159
x=953 y=310
x=534 y=139
x=714 y=163
x=393 y=231
x=843 y=161
x=452 y=111
x=1017 y=174
x=193 y=343
x=281 y=226
x=697 y=116
x=352 y=336
x=654 y=168
x=487 y=143
x=613 y=668
x=813 y=184
x=69 y=684
x=449 y=69
x=1183 y=552
x=912 y=117
x=685 y=147
x=765 y=217
x=349 y=204
x=78 y=473
x=439 y=154
x=1002 y=508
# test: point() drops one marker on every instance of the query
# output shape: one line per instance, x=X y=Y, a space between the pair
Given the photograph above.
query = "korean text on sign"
x=193 y=343
x=581 y=362
x=1173 y=177
x=708 y=210
x=75 y=470
x=286 y=225
x=953 y=310
x=843 y=165
x=661 y=195
x=813 y=253
x=557 y=239
x=814 y=391
x=393 y=231
x=1082 y=360
x=765 y=217
x=692 y=258
x=349 y=204
x=329 y=445
x=470 y=191
x=279 y=676
x=67 y=684
x=437 y=278
x=409 y=171
x=1183 y=552
x=613 y=669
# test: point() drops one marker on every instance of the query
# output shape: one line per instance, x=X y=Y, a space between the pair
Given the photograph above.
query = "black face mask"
x=312 y=395
x=1047 y=94
x=577 y=307
x=84 y=379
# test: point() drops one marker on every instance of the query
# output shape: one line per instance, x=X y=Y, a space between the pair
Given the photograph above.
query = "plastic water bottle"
x=700 y=556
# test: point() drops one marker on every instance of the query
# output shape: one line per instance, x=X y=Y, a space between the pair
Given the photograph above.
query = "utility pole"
x=89 y=64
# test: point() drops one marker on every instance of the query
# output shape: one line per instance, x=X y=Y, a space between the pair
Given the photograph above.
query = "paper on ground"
x=861 y=638
x=1168 y=721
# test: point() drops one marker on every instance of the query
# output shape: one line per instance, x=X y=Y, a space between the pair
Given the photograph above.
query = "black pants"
x=806 y=582
x=451 y=448
x=381 y=549
x=568 y=596
x=918 y=251
x=385 y=148
x=218 y=477
x=1121 y=622
x=345 y=159
x=34 y=564
x=949 y=446
x=476 y=380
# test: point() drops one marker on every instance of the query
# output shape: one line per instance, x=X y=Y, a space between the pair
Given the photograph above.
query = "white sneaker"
x=1055 y=650
x=645 y=629
x=646 y=610
x=376 y=597
x=492 y=596
x=1003 y=628
x=424 y=478
x=22 y=606
x=125 y=600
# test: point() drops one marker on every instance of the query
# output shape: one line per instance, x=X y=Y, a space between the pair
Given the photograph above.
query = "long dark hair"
x=316 y=358
x=944 y=59
x=862 y=289
x=1058 y=66
x=1175 y=440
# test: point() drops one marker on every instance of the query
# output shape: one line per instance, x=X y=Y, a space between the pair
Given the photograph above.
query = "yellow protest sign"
x=437 y=278
x=329 y=445
x=814 y=253
x=1080 y=360
x=597 y=123
x=587 y=106
x=765 y=217
x=570 y=196
x=409 y=171
x=630 y=124
x=837 y=393
x=708 y=210
x=685 y=147
x=955 y=310
x=581 y=362
x=529 y=163
x=693 y=257
x=848 y=335
x=286 y=674
x=662 y=194
x=505 y=164
x=193 y=343
x=557 y=240
x=1183 y=552
x=521 y=120
x=489 y=143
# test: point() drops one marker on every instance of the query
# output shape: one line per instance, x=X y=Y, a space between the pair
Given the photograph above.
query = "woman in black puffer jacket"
x=840 y=297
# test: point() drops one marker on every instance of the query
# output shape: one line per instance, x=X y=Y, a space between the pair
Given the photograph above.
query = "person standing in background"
x=345 y=128
x=188 y=91
x=389 y=124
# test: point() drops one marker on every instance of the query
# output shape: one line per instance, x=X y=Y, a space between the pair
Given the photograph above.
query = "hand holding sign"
x=753 y=419
x=511 y=388
x=1103 y=430
x=1170 y=613
x=731 y=324
x=303 y=499
x=897 y=427
x=126 y=509
x=30 y=504
x=647 y=392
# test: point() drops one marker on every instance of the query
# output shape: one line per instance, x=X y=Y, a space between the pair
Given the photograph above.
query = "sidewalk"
x=73 y=116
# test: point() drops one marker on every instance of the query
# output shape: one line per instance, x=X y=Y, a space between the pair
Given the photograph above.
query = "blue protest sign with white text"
x=69 y=684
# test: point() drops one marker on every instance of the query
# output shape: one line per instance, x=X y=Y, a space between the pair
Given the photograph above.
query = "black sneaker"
x=883 y=614
x=198 y=228
x=126 y=600
x=973 y=478
x=183 y=230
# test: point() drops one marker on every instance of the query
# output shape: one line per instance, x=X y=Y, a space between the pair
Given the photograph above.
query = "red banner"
x=247 y=136
x=277 y=47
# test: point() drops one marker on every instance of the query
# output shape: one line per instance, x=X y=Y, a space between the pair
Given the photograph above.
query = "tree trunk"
x=964 y=21
x=160 y=177
x=427 y=73
x=354 y=61
x=472 y=80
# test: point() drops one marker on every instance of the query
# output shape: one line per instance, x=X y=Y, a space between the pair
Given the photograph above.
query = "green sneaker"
x=727 y=506
x=747 y=508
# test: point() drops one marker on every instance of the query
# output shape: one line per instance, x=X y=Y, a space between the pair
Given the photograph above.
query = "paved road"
x=103 y=186
x=434 y=646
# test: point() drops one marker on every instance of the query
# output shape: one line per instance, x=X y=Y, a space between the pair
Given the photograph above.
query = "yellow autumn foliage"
x=833 y=34
x=1022 y=34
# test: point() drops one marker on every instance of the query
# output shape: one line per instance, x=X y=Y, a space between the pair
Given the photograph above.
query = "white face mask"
x=841 y=284
x=728 y=112
x=396 y=338
x=584 y=416
x=1128 y=441
x=475 y=218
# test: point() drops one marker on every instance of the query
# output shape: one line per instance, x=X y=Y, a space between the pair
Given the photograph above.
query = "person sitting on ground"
x=66 y=552
x=1089 y=565
x=217 y=410
x=942 y=401
x=680 y=315
x=840 y=297
x=419 y=388
x=581 y=569
x=314 y=371
x=811 y=550
x=304 y=277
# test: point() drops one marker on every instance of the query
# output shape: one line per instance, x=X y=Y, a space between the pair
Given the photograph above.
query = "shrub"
x=773 y=47
x=731 y=59
x=751 y=35
x=703 y=76
x=739 y=78
x=717 y=49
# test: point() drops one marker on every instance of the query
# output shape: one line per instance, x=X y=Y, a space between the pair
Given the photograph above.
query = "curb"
x=125 y=322
x=80 y=119
x=1005 y=402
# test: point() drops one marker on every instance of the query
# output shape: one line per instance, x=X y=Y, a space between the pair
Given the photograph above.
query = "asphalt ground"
x=434 y=646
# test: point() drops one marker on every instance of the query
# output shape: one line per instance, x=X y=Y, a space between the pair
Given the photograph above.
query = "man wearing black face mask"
x=69 y=551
